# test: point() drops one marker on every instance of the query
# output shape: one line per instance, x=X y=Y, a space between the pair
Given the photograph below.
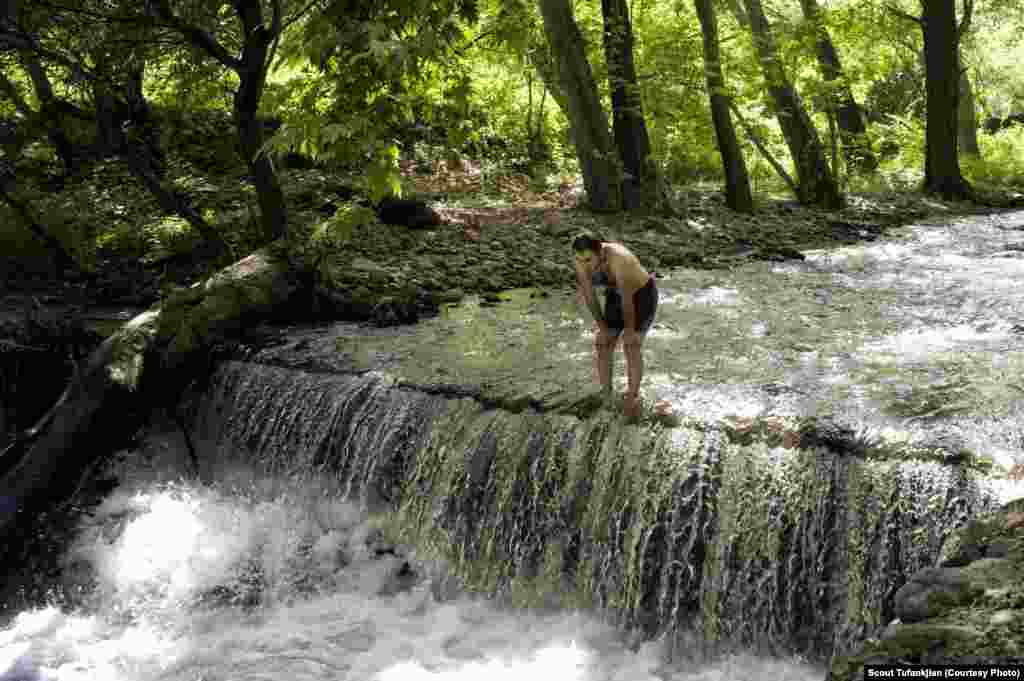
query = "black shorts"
x=645 y=300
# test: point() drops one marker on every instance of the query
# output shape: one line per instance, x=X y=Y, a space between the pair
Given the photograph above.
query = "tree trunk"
x=144 y=168
x=147 y=363
x=642 y=188
x=849 y=116
x=737 y=181
x=252 y=72
x=816 y=185
x=595 y=149
x=51 y=109
x=251 y=68
x=942 y=163
x=967 y=117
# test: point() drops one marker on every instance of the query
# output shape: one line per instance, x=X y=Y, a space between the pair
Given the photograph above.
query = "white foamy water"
x=171 y=570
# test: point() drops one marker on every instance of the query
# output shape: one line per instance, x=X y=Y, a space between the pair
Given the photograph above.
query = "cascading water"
x=696 y=545
x=261 y=575
x=665 y=530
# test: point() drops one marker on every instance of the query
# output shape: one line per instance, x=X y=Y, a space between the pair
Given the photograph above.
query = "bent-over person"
x=631 y=300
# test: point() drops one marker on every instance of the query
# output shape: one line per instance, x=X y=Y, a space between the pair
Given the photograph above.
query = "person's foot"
x=631 y=407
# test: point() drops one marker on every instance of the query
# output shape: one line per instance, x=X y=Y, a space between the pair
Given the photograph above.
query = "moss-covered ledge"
x=986 y=629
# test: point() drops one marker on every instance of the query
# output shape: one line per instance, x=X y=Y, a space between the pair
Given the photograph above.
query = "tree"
x=942 y=173
x=848 y=114
x=641 y=187
x=967 y=117
x=737 y=181
x=121 y=113
x=257 y=39
x=595 y=148
x=815 y=182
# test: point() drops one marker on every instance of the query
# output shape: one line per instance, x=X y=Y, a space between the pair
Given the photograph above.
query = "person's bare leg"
x=634 y=374
x=604 y=360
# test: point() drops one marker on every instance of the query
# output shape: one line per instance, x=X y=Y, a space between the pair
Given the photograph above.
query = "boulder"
x=933 y=591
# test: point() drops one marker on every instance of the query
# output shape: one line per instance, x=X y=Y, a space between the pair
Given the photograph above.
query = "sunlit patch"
x=920 y=343
x=715 y=295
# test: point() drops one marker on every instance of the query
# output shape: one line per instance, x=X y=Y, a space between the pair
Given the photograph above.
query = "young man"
x=631 y=300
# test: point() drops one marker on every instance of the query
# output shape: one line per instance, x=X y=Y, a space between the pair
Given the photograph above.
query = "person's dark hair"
x=587 y=242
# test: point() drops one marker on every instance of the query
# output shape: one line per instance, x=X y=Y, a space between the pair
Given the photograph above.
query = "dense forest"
x=164 y=129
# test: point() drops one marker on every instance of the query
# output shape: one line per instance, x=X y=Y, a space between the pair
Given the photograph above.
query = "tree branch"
x=965 y=22
x=902 y=15
x=18 y=41
x=275 y=30
x=298 y=15
x=196 y=35
x=752 y=134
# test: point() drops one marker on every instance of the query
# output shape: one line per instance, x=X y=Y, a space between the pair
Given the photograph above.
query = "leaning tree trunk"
x=942 y=78
x=147 y=363
x=967 y=117
x=849 y=116
x=595 y=149
x=642 y=188
x=816 y=184
x=737 y=181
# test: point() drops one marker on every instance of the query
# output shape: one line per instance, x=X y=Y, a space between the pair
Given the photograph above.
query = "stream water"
x=269 y=571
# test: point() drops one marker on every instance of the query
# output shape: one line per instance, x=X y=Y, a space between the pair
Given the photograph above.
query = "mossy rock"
x=924 y=638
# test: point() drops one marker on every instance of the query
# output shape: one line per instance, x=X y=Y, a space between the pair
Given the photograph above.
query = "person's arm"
x=585 y=290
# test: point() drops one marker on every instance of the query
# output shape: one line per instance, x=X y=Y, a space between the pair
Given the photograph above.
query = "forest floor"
x=498 y=231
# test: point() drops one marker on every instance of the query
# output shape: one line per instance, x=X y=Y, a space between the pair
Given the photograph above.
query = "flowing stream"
x=270 y=567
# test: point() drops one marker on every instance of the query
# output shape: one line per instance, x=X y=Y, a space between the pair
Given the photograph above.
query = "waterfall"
x=670 y=532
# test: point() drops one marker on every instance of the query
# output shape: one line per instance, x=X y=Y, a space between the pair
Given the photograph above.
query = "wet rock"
x=408 y=213
x=370 y=269
x=1004 y=617
x=834 y=436
x=390 y=311
x=779 y=254
x=452 y=295
x=658 y=225
x=950 y=448
x=923 y=639
x=932 y=591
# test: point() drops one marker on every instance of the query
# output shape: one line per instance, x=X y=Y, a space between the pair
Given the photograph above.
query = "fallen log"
x=144 y=365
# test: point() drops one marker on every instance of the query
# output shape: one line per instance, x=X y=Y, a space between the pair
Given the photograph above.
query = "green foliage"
x=168 y=236
x=382 y=175
x=1002 y=159
x=904 y=137
x=206 y=139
